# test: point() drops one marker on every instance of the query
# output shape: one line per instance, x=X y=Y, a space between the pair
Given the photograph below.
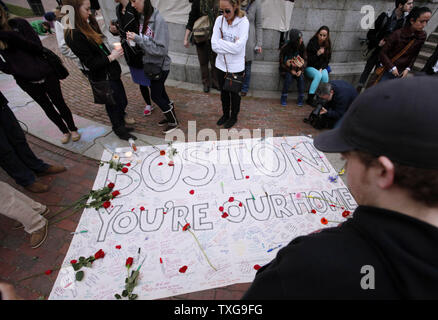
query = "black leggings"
x=230 y=100
x=49 y=95
x=145 y=93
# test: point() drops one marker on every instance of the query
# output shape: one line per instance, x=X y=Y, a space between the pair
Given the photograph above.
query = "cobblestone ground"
x=17 y=260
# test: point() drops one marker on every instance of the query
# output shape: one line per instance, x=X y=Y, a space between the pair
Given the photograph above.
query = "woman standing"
x=127 y=20
x=409 y=40
x=205 y=54
x=254 y=44
x=319 y=53
x=230 y=34
x=153 y=38
x=21 y=55
x=87 y=43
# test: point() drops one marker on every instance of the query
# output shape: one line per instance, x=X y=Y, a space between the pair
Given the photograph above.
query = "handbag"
x=233 y=81
x=153 y=71
x=380 y=71
x=201 y=29
x=102 y=92
x=56 y=63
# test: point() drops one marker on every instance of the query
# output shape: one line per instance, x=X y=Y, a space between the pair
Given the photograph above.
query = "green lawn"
x=20 y=11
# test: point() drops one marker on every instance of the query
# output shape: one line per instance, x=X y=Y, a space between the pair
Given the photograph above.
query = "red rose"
x=183 y=269
x=324 y=221
x=141 y=208
x=224 y=215
x=124 y=169
x=111 y=185
x=221 y=209
x=129 y=262
x=192 y=192
x=231 y=199
x=99 y=254
x=171 y=164
x=48 y=272
x=346 y=213
x=128 y=164
x=106 y=204
x=73 y=261
x=119 y=247
x=187 y=226
x=162 y=153
x=115 y=193
x=160 y=164
x=257 y=267
x=313 y=211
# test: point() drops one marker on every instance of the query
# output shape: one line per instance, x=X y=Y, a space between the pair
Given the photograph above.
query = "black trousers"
x=49 y=95
x=372 y=61
x=159 y=94
x=230 y=100
x=116 y=112
x=16 y=157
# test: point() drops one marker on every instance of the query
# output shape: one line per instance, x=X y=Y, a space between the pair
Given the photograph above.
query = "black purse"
x=233 y=81
x=102 y=91
x=153 y=71
x=56 y=63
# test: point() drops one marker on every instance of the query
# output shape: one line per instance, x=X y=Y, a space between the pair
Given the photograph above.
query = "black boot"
x=222 y=120
x=231 y=122
x=226 y=115
x=172 y=122
x=123 y=134
x=165 y=121
x=310 y=99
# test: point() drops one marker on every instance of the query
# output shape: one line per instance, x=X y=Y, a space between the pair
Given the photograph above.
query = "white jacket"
x=233 y=50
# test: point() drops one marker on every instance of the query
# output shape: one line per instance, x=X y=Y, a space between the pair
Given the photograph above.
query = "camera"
x=315 y=119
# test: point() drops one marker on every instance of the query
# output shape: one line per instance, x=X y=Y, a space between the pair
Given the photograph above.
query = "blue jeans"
x=316 y=77
x=247 y=79
x=288 y=80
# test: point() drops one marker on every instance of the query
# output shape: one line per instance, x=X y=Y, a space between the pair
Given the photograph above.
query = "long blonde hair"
x=90 y=29
x=4 y=26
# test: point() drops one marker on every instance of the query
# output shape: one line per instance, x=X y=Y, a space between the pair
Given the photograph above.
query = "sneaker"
x=148 y=110
x=38 y=237
x=283 y=100
x=75 y=136
x=52 y=170
x=129 y=120
x=18 y=225
x=37 y=187
x=222 y=120
x=170 y=128
x=231 y=122
x=65 y=138
x=300 y=101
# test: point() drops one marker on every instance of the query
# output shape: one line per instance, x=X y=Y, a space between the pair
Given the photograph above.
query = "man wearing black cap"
x=387 y=250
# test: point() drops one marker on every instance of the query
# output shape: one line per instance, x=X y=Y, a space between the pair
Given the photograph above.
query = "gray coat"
x=255 y=37
x=155 y=48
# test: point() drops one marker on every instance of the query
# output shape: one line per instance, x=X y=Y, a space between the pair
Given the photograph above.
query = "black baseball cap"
x=396 y=118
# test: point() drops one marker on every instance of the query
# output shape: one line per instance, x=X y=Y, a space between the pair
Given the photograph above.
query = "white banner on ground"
x=244 y=200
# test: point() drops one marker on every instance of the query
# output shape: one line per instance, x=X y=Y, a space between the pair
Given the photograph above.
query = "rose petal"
x=221 y=209
x=257 y=267
x=224 y=215
x=183 y=269
x=231 y=199
x=192 y=192
x=160 y=164
x=119 y=247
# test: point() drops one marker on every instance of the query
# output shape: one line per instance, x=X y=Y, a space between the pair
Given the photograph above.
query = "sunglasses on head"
x=227 y=11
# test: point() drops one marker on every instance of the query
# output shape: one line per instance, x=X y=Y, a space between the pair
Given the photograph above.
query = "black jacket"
x=344 y=95
x=313 y=60
x=382 y=28
x=23 y=56
x=431 y=62
x=129 y=22
x=93 y=57
x=331 y=264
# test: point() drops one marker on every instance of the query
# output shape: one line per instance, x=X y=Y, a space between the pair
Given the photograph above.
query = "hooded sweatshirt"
x=377 y=254
x=233 y=44
x=155 y=41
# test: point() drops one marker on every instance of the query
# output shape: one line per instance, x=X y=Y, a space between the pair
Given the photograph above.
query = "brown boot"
x=37 y=187
x=52 y=170
x=18 y=225
x=38 y=237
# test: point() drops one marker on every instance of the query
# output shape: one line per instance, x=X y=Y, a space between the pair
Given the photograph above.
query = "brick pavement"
x=17 y=260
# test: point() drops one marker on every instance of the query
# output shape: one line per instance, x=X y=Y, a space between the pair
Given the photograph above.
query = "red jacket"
x=396 y=42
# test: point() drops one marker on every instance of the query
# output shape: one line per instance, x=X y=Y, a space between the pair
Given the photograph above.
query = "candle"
x=117 y=45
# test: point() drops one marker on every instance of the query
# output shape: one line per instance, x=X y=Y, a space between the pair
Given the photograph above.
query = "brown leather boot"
x=52 y=170
x=37 y=187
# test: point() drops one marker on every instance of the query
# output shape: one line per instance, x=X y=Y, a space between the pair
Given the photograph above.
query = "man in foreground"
x=387 y=250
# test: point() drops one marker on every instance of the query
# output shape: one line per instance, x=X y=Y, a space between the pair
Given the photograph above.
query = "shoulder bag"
x=380 y=71
x=56 y=63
